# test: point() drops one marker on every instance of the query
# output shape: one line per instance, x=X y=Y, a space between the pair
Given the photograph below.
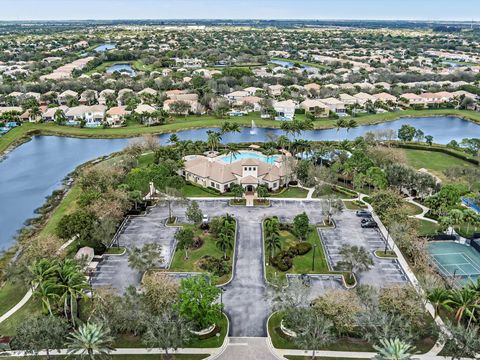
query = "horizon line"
x=242 y=19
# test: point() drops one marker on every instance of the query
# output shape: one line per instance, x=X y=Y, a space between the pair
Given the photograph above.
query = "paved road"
x=247 y=348
x=245 y=297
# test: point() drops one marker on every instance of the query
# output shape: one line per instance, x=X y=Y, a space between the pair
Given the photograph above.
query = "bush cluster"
x=283 y=261
x=216 y=266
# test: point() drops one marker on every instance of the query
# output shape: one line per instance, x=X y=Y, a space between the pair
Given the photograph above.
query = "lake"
x=290 y=64
x=122 y=68
x=104 y=47
x=33 y=170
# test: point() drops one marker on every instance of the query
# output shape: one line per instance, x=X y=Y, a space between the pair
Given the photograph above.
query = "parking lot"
x=348 y=231
x=245 y=297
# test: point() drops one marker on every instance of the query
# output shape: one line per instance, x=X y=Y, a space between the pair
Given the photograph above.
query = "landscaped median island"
x=294 y=249
x=206 y=247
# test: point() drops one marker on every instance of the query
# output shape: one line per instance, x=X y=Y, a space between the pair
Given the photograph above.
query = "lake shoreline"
x=50 y=129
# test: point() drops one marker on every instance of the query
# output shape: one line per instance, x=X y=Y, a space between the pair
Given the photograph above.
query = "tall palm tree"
x=273 y=242
x=224 y=243
x=394 y=349
x=350 y=124
x=91 y=340
x=272 y=226
x=340 y=123
x=283 y=142
x=73 y=285
x=438 y=297
x=464 y=300
x=233 y=150
x=214 y=139
x=59 y=117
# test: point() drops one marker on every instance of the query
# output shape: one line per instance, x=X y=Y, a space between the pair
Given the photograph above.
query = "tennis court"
x=456 y=260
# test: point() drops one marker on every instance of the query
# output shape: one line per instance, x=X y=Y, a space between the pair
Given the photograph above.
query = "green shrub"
x=216 y=266
x=303 y=247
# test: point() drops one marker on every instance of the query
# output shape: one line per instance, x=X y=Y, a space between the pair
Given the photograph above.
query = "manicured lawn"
x=350 y=205
x=413 y=209
x=67 y=206
x=10 y=295
x=282 y=341
x=130 y=341
x=301 y=264
x=434 y=162
x=319 y=358
x=427 y=227
x=134 y=357
x=145 y=159
x=29 y=310
x=181 y=123
x=180 y=264
x=213 y=341
x=190 y=190
x=291 y=192
x=330 y=190
x=115 y=251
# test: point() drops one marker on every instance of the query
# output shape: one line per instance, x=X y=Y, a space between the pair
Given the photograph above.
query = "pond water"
x=289 y=64
x=122 y=68
x=33 y=170
x=104 y=47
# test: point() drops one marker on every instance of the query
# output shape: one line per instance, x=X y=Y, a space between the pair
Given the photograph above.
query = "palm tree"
x=350 y=124
x=394 y=349
x=438 y=297
x=47 y=291
x=59 y=116
x=90 y=340
x=340 y=123
x=224 y=243
x=213 y=140
x=464 y=300
x=73 y=284
x=355 y=259
x=456 y=215
x=42 y=270
x=273 y=242
x=283 y=142
x=233 y=150
x=173 y=139
x=469 y=217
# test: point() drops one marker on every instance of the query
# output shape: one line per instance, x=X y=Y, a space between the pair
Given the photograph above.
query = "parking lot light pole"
x=313 y=257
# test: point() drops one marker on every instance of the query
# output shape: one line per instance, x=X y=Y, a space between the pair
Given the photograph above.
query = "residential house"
x=362 y=98
x=347 y=99
x=275 y=90
x=115 y=116
x=315 y=107
x=49 y=113
x=104 y=95
x=252 y=91
x=335 y=105
x=236 y=96
x=64 y=96
x=312 y=87
x=384 y=97
x=413 y=99
x=285 y=110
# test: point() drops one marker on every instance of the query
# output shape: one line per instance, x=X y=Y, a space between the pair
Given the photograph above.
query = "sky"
x=240 y=9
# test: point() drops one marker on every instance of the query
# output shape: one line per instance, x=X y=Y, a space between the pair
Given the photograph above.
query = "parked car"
x=364 y=213
x=365 y=220
x=369 y=224
x=205 y=219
